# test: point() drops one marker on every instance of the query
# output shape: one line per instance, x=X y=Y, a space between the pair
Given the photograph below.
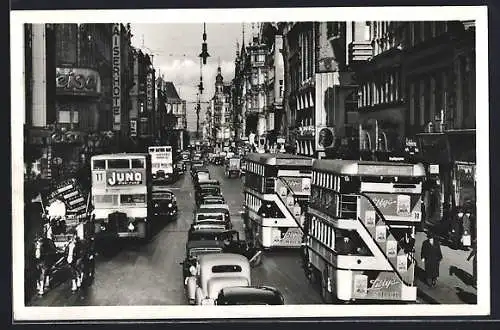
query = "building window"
x=332 y=29
x=68 y=117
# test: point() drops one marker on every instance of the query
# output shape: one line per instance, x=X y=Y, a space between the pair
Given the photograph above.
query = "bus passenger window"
x=118 y=163
x=350 y=243
x=138 y=163
x=270 y=210
x=99 y=164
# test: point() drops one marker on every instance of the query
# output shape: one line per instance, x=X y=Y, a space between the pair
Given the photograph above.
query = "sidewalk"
x=455 y=283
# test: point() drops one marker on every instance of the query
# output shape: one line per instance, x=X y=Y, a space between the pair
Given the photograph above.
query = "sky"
x=175 y=49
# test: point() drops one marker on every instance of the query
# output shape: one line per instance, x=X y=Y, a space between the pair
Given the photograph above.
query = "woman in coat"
x=431 y=257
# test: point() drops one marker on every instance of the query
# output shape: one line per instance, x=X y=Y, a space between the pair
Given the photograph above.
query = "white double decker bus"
x=359 y=229
x=277 y=189
x=162 y=165
x=121 y=194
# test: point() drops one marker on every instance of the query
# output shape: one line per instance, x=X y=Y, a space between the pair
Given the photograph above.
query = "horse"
x=46 y=256
x=75 y=260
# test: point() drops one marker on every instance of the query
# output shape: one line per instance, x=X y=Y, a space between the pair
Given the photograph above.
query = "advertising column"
x=116 y=94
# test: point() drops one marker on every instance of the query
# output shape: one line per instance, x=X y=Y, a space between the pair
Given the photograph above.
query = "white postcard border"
x=477 y=13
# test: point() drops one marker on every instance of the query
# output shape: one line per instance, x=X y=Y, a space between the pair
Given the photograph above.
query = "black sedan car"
x=164 y=202
x=196 y=248
x=205 y=191
x=250 y=295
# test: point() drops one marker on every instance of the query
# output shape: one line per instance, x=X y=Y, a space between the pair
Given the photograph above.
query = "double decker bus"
x=359 y=229
x=277 y=189
x=162 y=165
x=121 y=191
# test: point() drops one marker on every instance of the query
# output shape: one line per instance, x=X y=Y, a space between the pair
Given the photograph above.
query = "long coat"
x=433 y=256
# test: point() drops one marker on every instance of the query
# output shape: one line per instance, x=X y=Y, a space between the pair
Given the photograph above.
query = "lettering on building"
x=77 y=81
x=149 y=92
x=116 y=65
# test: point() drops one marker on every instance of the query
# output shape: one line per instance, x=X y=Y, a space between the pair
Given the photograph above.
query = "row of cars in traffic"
x=217 y=266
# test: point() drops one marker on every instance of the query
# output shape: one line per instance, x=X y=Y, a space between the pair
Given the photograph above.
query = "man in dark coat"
x=431 y=257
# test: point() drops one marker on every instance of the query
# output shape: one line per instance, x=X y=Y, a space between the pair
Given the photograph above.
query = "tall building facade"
x=420 y=78
x=220 y=111
x=174 y=122
x=143 y=100
x=272 y=37
x=320 y=90
x=77 y=81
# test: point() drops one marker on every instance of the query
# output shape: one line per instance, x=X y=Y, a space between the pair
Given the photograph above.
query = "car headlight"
x=103 y=227
x=156 y=204
x=131 y=226
x=169 y=204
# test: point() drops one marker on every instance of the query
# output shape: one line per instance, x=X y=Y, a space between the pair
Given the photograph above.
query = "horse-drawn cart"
x=66 y=246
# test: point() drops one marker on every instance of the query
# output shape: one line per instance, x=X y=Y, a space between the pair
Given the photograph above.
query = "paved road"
x=150 y=274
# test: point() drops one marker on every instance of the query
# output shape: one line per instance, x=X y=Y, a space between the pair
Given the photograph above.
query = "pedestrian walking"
x=473 y=256
x=466 y=224
x=431 y=257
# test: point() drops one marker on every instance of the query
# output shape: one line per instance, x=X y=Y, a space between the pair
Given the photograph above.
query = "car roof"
x=213 y=197
x=212 y=209
x=208 y=181
x=227 y=258
x=208 y=186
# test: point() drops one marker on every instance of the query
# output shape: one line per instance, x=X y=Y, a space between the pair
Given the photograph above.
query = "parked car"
x=214 y=215
x=250 y=295
x=164 y=202
x=215 y=272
